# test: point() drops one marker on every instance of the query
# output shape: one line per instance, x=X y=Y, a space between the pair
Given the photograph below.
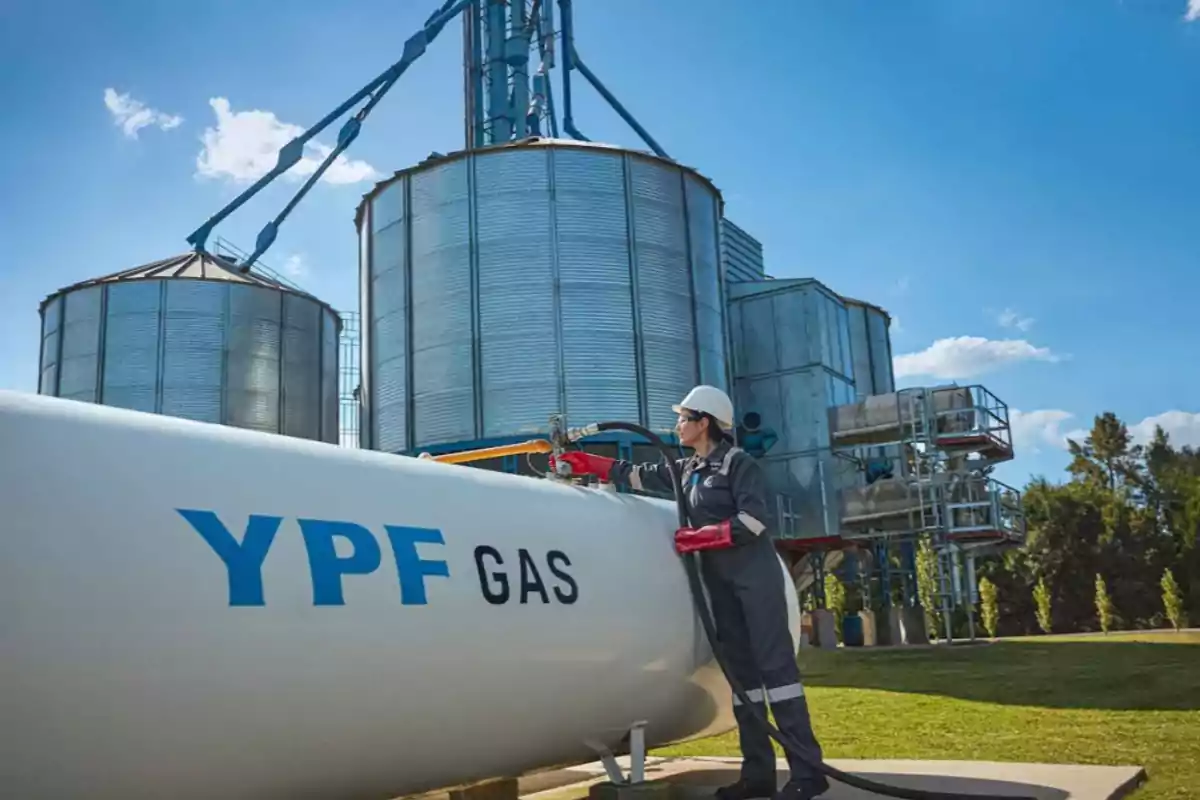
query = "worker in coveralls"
x=728 y=501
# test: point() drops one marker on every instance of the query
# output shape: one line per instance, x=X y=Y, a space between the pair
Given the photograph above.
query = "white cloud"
x=1182 y=427
x=132 y=115
x=1011 y=319
x=1033 y=430
x=295 y=267
x=1193 y=11
x=245 y=145
x=968 y=356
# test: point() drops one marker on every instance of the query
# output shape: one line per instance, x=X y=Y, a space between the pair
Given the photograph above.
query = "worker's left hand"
x=710 y=537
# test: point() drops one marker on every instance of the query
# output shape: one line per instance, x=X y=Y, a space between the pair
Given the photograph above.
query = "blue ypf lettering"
x=413 y=569
x=327 y=567
x=243 y=562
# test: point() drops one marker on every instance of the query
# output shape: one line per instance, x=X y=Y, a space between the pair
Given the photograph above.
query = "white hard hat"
x=708 y=400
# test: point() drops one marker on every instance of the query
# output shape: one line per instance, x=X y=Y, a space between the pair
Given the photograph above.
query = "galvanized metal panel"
x=881 y=352
x=794 y=405
x=390 y=387
x=329 y=430
x=871 y=350
x=599 y=361
x=252 y=370
x=443 y=361
x=756 y=337
x=812 y=482
x=51 y=336
x=518 y=319
x=790 y=326
x=741 y=254
x=860 y=351
x=703 y=237
x=193 y=350
x=845 y=362
x=302 y=371
x=80 y=359
x=735 y=322
x=664 y=288
x=388 y=207
x=799 y=329
x=131 y=345
x=387 y=340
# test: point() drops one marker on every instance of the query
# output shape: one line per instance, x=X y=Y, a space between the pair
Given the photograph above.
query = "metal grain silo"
x=871 y=348
x=504 y=284
x=192 y=336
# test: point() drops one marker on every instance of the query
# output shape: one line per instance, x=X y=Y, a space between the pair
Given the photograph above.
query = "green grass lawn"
x=1118 y=699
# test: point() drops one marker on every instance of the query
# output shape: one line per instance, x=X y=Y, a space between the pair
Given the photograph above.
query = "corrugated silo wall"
x=512 y=283
x=741 y=254
x=871 y=344
x=211 y=351
x=792 y=361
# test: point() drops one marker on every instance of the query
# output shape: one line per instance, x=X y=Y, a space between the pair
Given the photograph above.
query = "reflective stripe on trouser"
x=750 y=610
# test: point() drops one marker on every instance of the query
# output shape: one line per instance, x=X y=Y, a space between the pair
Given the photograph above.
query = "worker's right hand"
x=585 y=464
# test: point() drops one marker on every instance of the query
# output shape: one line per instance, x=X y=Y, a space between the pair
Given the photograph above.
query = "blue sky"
x=1017 y=182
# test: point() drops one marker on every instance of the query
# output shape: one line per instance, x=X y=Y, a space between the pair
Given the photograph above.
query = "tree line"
x=1113 y=547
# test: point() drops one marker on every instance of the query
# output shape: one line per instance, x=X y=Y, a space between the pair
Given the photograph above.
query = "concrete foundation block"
x=825 y=629
x=914 y=626
x=501 y=789
x=893 y=628
x=647 y=790
x=869 y=634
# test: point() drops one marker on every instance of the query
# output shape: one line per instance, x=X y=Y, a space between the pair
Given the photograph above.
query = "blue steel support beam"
x=291 y=153
x=616 y=106
x=571 y=60
x=568 y=62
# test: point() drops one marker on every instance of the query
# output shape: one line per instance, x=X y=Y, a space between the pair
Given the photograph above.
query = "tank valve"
x=558 y=446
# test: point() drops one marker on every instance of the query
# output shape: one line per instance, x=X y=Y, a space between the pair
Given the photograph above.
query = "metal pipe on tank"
x=546 y=51
x=496 y=24
x=477 y=110
x=518 y=63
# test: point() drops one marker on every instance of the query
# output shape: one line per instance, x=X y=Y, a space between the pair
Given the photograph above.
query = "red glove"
x=585 y=464
x=710 y=537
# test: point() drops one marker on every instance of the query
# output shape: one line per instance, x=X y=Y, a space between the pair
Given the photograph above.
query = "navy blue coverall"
x=749 y=604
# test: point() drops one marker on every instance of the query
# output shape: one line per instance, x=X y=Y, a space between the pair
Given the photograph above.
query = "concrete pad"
x=695 y=778
x=825 y=629
x=870 y=634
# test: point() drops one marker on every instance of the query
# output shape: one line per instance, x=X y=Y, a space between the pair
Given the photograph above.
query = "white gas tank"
x=196 y=611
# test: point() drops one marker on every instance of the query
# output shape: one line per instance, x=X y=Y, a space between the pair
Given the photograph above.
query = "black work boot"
x=747 y=790
x=803 y=788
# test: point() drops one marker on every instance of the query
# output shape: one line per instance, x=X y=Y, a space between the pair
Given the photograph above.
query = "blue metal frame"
x=488 y=21
x=291 y=153
x=572 y=61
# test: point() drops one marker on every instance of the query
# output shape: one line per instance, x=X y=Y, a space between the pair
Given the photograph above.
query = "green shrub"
x=1173 y=601
x=989 y=607
x=1041 y=598
x=1104 y=604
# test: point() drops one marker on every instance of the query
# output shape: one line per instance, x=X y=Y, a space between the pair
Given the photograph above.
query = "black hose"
x=697 y=587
